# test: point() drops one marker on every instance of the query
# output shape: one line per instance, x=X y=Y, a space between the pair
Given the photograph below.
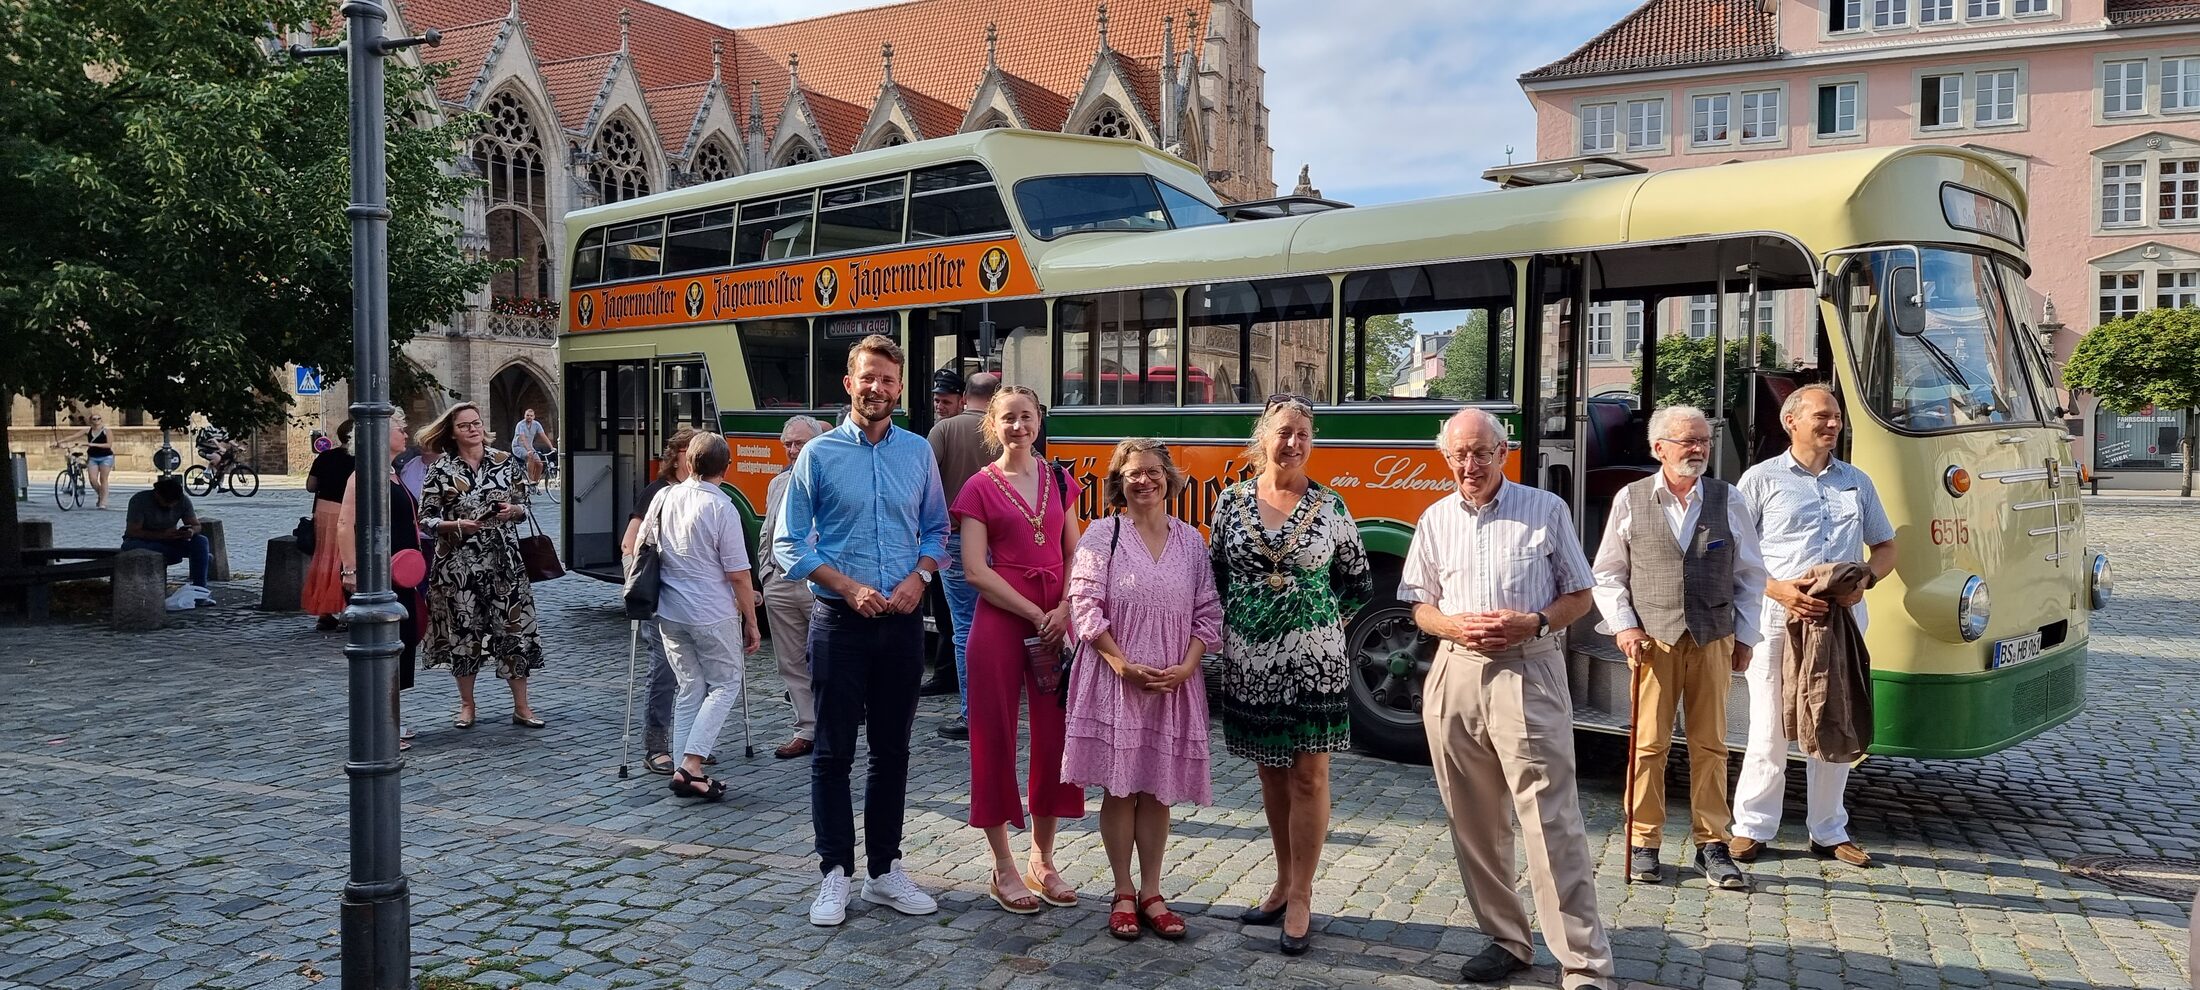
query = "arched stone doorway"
x=514 y=390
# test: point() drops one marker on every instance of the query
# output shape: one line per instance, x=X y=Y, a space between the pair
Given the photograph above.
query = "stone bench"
x=217 y=568
x=283 y=583
x=138 y=582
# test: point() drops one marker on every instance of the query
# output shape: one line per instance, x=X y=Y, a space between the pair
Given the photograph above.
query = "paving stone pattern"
x=173 y=814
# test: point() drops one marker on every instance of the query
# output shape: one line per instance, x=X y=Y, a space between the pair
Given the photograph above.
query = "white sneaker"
x=894 y=889
x=831 y=906
x=182 y=600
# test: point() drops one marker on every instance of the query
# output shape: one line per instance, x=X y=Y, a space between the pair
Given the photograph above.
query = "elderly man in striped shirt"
x=865 y=523
x=1494 y=572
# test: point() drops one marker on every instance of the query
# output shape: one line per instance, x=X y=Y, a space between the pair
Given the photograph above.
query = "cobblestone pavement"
x=172 y=814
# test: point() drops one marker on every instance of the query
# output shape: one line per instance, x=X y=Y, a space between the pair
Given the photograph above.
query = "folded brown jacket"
x=1826 y=676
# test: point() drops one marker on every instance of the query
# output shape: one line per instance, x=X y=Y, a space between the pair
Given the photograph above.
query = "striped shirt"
x=871 y=509
x=1519 y=552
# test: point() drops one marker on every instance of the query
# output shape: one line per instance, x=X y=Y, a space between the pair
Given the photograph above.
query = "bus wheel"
x=1389 y=660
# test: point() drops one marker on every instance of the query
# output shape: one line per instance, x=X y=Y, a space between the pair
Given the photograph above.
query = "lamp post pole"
x=375 y=917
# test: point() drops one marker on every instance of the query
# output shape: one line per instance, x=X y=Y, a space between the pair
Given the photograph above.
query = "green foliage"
x=1466 y=359
x=1389 y=346
x=176 y=194
x=2151 y=359
x=1687 y=369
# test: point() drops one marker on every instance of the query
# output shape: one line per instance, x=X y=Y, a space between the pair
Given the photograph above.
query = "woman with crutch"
x=706 y=609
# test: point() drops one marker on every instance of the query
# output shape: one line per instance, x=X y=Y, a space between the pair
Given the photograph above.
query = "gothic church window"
x=713 y=162
x=1112 y=123
x=619 y=172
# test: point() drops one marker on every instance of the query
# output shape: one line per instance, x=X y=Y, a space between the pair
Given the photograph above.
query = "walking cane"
x=626 y=734
x=748 y=744
x=1627 y=837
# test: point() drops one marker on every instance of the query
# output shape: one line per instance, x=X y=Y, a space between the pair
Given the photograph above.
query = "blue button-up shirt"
x=1806 y=519
x=873 y=509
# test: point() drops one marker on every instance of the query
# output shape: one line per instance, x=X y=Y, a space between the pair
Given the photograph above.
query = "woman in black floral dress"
x=1291 y=570
x=480 y=606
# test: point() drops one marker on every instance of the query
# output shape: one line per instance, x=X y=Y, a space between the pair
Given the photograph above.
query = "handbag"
x=539 y=554
x=644 y=571
x=303 y=534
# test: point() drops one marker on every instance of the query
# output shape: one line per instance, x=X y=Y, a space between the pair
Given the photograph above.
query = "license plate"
x=2018 y=650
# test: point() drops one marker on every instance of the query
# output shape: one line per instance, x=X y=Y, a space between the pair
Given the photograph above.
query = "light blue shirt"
x=1804 y=520
x=872 y=509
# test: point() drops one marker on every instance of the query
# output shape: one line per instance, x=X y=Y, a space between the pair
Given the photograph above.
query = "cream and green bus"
x=1106 y=276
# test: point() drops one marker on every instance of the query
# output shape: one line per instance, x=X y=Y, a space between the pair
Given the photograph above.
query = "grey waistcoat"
x=1675 y=591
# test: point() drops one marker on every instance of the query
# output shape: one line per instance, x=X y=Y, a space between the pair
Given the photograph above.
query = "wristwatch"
x=924 y=574
x=1542 y=625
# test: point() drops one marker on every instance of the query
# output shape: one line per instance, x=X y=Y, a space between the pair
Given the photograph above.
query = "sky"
x=1401 y=99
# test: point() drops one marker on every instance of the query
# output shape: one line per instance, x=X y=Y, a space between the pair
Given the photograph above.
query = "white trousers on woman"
x=706 y=660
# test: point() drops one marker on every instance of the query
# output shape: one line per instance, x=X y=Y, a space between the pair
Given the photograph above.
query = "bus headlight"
x=1972 y=609
x=2103 y=582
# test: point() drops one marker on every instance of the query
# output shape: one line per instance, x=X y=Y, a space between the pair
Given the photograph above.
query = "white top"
x=1804 y=520
x=699 y=542
x=525 y=433
x=1616 y=605
x=1519 y=552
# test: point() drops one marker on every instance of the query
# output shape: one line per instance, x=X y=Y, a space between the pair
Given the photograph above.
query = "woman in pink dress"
x=1143 y=602
x=1017 y=537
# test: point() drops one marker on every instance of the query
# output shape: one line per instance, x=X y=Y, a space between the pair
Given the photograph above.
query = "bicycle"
x=70 y=485
x=549 y=468
x=205 y=479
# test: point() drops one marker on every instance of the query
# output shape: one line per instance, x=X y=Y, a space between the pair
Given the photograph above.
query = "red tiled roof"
x=573 y=85
x=936 y=118
x=672 y=109
x=839 y=120
x=2152 y=11
x=1043 y=109
x=1667 y=33
x=462 y=51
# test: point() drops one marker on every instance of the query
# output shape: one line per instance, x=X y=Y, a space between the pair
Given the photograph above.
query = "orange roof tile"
x=1043 y=109
x=839 y=120
x=1667 y=33
x=2152 y=11
x=933 y=117
x=463 y=52
x=574 y=84
x=673 y=109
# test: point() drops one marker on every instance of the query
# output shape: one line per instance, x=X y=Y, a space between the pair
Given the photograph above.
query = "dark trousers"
x=198 y=549
x=941 y=664
x=868 y=671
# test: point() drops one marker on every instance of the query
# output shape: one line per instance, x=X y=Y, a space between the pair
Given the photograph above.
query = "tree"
x=1686 y=370
x=2151 y=359
x=1466 y=359
x=1389 y=346
x=176 y=201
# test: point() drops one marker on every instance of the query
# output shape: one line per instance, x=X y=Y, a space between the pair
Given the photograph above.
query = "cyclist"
x=99 y=453
x=529 y=436
x=217 y=449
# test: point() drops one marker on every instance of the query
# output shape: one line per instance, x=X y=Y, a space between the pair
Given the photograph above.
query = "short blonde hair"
x=881 y=345
x=989 y=427
x=1111 y=488
x=1256 y=455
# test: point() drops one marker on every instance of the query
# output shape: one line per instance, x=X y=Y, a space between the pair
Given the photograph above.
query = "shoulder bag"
x=1071 y=646
x=645 y=570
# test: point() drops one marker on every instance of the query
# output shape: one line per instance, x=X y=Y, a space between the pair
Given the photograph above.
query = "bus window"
x=636 y=250
x=774 y=229
x=1022 y=352
x=1185 y=210
x=836 y=336
x=1118 y=349
x=1431 y=331
x=698 y=241
x=687 y=399
x=588 y=261
x=958 y=200
x=777 y=355
x=1938 y=350
x=1061 y=204
x=851 y=218
x=1255 y=338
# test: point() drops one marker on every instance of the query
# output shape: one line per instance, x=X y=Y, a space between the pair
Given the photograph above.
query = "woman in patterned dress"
x=1291 y=571
x=480 y=606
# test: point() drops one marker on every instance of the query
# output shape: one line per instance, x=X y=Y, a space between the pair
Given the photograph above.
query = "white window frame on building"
x=1890 y=14
x=2157 y=69
x=1933 y=13
x=1711 y=117
x=1755 y=106
x=1971 y=81
x=2141 y=277
x=1703 y=316
x=1734 y=99
x=2120 y=199
x=1642 y=115
x=2167 y=166
x=1610 y=130
x=2177 y=191
x=2031 y=8
x=2187 y=81
x=2121 y=95
x=2177 y=288
x=1854 y=133
x=1625 y=109
x=1614 y=341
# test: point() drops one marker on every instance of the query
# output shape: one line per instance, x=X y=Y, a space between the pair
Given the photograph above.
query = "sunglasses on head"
x=1283 y=397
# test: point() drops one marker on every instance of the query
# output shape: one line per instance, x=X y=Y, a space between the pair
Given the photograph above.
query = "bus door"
x=1549 y=396
x=608 y=445
x=941 y=337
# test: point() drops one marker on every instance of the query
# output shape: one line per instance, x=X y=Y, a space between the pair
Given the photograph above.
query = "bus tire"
x=1388 y=659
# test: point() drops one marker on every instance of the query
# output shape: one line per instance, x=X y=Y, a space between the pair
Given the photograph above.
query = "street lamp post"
x=376 y=921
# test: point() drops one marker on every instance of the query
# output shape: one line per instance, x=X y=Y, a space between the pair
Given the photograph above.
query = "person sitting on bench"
x=163 y=521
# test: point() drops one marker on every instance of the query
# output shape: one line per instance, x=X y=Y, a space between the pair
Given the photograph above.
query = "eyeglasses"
x=1697 y=442
x=1283 y=397
x=1149 y=474
x=1476 y=455
x=470 y=424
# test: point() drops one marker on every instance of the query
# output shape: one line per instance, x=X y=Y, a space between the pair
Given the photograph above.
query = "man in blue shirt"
x=870 y=494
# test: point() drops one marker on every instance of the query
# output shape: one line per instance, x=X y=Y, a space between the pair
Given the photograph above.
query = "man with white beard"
x=1680 y=584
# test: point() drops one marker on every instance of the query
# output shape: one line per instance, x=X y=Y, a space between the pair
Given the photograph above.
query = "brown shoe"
x=1745 y=850
x=794 y=747
x=1847 y=852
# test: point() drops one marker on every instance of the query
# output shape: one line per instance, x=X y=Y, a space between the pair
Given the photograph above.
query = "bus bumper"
x=1953 y=716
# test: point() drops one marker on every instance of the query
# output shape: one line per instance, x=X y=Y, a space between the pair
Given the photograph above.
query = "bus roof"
x=1825 y=201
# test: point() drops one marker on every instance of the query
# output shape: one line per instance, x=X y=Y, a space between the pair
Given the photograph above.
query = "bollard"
x=217 y=569
x=283 y=582
x=37 y=534
x=140 y=587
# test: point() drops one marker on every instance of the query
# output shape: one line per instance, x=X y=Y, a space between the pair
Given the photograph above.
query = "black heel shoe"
x=1296 y=945
x=1257 y=915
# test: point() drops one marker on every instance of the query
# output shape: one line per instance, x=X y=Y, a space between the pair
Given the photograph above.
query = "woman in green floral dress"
x=1291 y=571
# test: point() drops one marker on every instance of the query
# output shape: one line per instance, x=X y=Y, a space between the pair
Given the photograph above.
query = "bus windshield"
x=1937 y=346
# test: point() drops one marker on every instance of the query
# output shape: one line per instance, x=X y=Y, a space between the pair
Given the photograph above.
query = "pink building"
x=2094 y=106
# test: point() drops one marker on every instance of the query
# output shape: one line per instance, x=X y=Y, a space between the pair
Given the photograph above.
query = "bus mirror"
x=1821 y=281
x=1905 y=302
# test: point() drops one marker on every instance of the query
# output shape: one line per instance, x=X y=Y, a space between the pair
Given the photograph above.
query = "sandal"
x=1060 y=895
x=1124 y=924
x=462 y=722
x=1167 y=924
x=658 y=763
x=686 y=784
x=1026 y=904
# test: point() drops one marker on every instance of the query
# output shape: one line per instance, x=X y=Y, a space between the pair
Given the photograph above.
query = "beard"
x=1691 y=468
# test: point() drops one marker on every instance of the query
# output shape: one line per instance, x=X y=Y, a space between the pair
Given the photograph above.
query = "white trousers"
x=1762 y=789
x=706 y=660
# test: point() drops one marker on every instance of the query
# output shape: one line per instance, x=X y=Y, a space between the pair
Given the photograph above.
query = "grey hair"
x=1666 y=415
x=1461 y=418
x=1256 y=455
x=1795 y=399
x=817 y=426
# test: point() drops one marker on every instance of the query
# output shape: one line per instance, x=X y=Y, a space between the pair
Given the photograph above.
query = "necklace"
x=1036 y=519
x=1278 y=577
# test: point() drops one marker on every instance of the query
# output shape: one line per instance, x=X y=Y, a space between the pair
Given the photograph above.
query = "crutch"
x=748 y=743
x=626 y=735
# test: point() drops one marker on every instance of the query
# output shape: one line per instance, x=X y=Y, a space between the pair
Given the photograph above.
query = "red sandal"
x=1166 y=924
x=1124 y=924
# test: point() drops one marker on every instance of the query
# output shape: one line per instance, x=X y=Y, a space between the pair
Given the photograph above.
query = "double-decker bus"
x=1066 y=262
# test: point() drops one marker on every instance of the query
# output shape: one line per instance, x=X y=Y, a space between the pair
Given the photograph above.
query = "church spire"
x=1104 y=27
x=718 y=60
x=886 y=56
x=992 y=38
x=626 y=20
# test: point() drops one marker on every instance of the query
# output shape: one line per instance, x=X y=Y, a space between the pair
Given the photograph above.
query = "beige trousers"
x=1503 y=726
x=1695 y=678
x=787 y=608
